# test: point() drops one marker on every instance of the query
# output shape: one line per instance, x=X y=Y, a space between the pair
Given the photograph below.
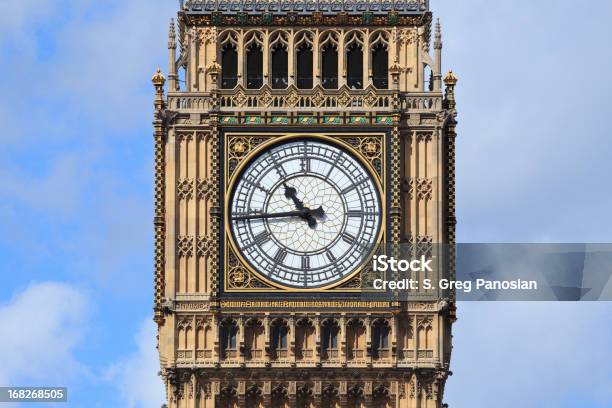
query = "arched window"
x=355 y=339
x=304 y=61
x=279 y=335
x=253 y=339
x=380 y=337
x=329 y=62
x=380 y=60
x=329 y=336
x=304 y=339
x=184 y=335
x=229 y=62
x=228 y=332
x=280 y=62
x=354 y=62
x=254 y=62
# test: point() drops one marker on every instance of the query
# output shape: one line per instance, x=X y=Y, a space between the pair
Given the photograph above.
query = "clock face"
x=305 y=213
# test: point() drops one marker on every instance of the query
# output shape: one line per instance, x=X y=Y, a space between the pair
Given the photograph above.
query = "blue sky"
x=533 y=160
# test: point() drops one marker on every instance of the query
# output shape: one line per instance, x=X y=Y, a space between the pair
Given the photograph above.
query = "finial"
x=158 y=79
x=450 y=79
x=214 y=68
x=171 y=35
x=438 y=35
x=395 y=68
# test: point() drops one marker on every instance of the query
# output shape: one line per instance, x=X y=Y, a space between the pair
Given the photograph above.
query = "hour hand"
x=291 y=193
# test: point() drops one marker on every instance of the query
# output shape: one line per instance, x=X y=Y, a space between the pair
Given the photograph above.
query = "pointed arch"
x=379 y=48
x=329 y=59
x=279 y=59
x=355 y=339
x=380 y=336
x=304 y=338
x=354 y=45
x=253 y=46
x=304 y=59
x=229 y=59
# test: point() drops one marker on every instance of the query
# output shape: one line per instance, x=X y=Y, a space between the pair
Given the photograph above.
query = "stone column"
x=367 y=64
x=290 y=57
x=265 y=49
x=241 y=60
x=341 y=59
x=316 y=60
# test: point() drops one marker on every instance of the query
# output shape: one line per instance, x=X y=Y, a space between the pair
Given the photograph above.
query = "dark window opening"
x=329 y=64
x=229 y=330
x=229 y=67
x=380 y=337
x=254 y=67
x=330 y=335
x=279 y=337
x=354 y=67
x=304 y=67
x=280 y=68
x=380 y=67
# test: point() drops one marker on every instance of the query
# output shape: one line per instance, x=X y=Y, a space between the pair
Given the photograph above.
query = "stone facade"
x=227 y=337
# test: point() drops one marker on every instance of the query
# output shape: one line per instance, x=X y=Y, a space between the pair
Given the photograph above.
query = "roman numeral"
x=349 y=188
x=355 y=213
x=261 y=238
x=334 y=164
x=330 y=256
x=305 y=262
x=257 y=185
x=305 y=164
x=348 y=238
x=277 y=166
x=354 y=186
x=280 y=256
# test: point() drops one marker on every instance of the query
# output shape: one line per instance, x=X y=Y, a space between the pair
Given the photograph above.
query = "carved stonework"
x=239 y=148
x=339 y=344
x=205 y=247
x=184 y=189
x=424 y=137
x=422 y=186
x=207 y=35
x=206 y=188
x=184 y=246
x=424 y=189
x=239 y=277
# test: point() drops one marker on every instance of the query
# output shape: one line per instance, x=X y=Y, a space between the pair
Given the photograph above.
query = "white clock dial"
x=305 y=213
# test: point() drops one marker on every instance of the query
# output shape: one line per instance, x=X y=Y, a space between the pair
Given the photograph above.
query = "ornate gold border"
x=275 y=138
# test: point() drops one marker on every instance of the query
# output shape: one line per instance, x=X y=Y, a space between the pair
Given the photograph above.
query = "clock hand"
x=318 y=212
x=291 y=193
x=301 y=213
x=306 y=213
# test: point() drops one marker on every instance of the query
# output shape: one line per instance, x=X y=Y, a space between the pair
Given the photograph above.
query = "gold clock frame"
x=239 y=150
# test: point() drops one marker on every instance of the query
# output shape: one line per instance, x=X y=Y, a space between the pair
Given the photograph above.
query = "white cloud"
x=136 y=376
x=531 y=355
x=41 y=327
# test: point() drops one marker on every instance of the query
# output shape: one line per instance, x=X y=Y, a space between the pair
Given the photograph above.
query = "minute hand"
x=285 y=214
x=305 y=213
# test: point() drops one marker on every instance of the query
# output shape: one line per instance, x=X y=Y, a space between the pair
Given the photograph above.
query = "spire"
x=438 y=36
x=171 y=35
x=437 y=69
x=172 y=77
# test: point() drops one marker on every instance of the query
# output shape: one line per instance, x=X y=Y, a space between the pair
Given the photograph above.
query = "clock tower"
x=296 y=140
